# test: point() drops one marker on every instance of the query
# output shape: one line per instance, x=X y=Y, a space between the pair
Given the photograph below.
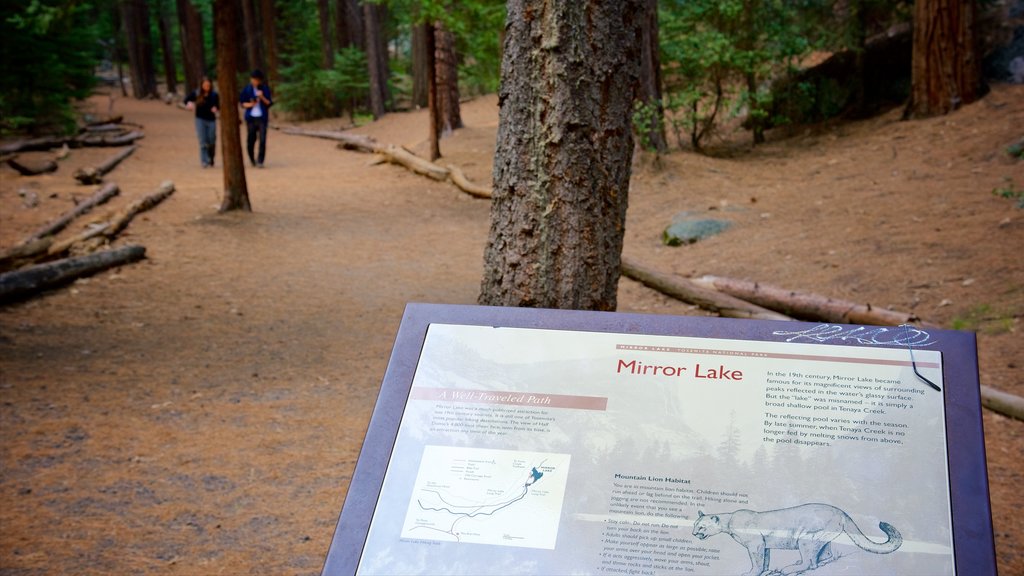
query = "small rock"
x=945 y=302
x=967 y=282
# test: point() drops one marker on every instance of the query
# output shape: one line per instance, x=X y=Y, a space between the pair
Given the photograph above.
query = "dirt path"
x=201 y=412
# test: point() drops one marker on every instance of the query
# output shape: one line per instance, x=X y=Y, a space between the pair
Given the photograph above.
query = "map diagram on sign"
x=483 y=496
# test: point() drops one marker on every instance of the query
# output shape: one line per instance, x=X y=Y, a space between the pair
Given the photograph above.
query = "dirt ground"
x=201 y=412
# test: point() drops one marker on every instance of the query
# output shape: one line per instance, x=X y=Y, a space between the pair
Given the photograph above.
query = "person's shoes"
x=260 y=165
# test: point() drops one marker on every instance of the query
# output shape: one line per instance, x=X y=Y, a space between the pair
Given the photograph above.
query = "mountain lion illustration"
x=809 y=528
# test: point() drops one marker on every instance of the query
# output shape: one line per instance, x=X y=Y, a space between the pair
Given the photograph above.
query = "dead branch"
x=21 y=284
x=87 y=139
x=460 y=180
x=402 y=156
x=356 y=142
x=103 y=141
x=1002 y=402
x=32 y=168
x=94 y=174
x=808 y=306
x=122 y=218
x=105 y=193
x=99 y=121
x=691 y=293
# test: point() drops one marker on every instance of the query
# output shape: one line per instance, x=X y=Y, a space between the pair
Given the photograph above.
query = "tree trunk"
x=349 y=24
x=170 y=71
x=433 y=106
x=446 y=70
x=105 y=193
x=378 y=76
x=135 y=15
x=254 y=54
x=420 y=66
x=323 y=8
x=236 y=194
x=193 y=53
x=650 y=81
x=269 y=18
x=946 y=64
x=564 y=145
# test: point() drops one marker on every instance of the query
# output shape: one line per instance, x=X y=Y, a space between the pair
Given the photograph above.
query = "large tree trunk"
x=562 y=164
x=434 y=119
x=323 y=9
x=420 y=66
x=378 y=74
x=446 y=70
x=269 y=16
x=170 y=70
x=348 y=24
x=254 y=55
x=193 y=52
x=946 y=65
x=236 y=194
x=135 y=15
x=650 y=81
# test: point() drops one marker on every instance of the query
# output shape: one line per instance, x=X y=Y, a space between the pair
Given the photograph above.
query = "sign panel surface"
x=548 y=451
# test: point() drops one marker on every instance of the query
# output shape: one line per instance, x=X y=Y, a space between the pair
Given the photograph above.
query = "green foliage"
x=309 y=92
x=721 y=58
x=49 y=50
x=647 y=120
x=983 y=318
x=1010 y=191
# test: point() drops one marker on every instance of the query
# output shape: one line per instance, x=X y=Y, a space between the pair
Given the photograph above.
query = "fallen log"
x=404 y=157
x=105 y=141
x=1002 y=402
x=692 y=293
x=14 y=256
x=102 y=232
x=47 y=142
x=463 y=183
x=348 y=141
x=21 y=284
x=32 y=168
x=100 y=120
x=94 y=174
x=106 y=192
x=103 y=128
x=807 y=306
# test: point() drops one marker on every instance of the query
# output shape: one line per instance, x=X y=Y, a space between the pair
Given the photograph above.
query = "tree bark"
x=236 y=193
x=32 y=168
x=564 y=145
x=420 y=66
x=650 y=80
x=254 y=54
x=135 y=15
x=349 y=24
x=446 y=70
x=21 y=284
x=946 y=64
x=433 y=106
x=94 y=174
x=269 y=18
x=170 y=70
x=378 y=73
x=323 y=9
x=193 y=53
x=692 y=293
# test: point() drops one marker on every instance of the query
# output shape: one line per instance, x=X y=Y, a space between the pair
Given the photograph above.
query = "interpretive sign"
x=510 y=441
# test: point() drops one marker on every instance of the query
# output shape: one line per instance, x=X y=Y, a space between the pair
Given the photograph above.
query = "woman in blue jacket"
x=257 y=100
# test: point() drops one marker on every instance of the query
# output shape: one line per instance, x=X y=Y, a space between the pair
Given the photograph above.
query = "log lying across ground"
x=94 y=174
x=26 y=282
x=32 y=168
x=691 y=293
x=105 y=193
x=78 y=141
x=807 y=306
x=1002 y=402
x=396 y=155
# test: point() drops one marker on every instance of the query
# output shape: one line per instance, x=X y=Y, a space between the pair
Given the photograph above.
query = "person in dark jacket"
x=257 y=100
x=206 y=102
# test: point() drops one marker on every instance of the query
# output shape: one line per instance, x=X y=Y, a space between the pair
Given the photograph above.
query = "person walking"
x=206 y=102
x=256 y=98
